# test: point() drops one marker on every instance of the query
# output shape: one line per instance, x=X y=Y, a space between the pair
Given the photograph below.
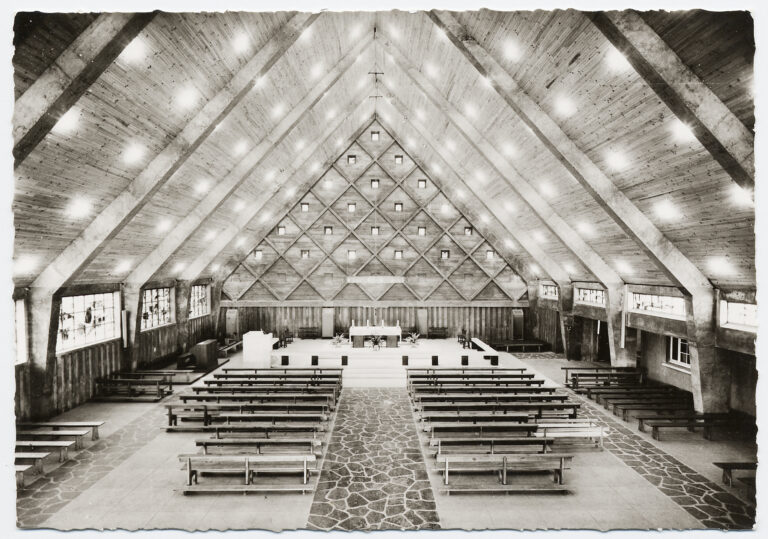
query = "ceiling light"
x=259 y=82
x=179 y=267
x=266 y=217
x=278 y=110
x=446 y=209
x=210 y=235
x=306 y=34
x=420 y=114
x=534 y=269
x=512 y=50
x=241 y=43
x=79 y=208
x=616 y=160
x=440 y=33
x=486 y=82
x=186 y=97
x=290 y=192
x=666 y=210
x=681 y=132
x=479 y=176
x=741 y=196
x=484 y=218
x=616 y=61
x=240 y=242
x=300 y=144
x=509 y=243
x=328 y=184
x=135 y=52
x=219 y=125
x=133 y=153
x=215 y=267
x=314 y=167
x=623 y=267
x=720 y=265
x=509 y=149
x=202 y=187
x=339 y=141
x=459 y=194
x=240 y=148
x=585 y=228
x=330 y=115
x=239 y=205
x=393 y=32
x=317 y=70
x=539 y=236
x=469 y=110
x=430 y=70
x=362 y=83
x=436 y=168
x=509 y=206
x=25 y=264
x=546 y=189
x=68 y=122
x=450 y=145
x=123 y=266
x=564 y=106
x=356 y=30
x=164 y=225
x=269 y=176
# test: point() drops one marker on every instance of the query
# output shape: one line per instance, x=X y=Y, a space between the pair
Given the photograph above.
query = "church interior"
x=384 y=270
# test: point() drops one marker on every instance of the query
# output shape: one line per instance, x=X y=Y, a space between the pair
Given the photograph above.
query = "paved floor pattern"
x=36 y=502
x=374 y=476
x=700 y=497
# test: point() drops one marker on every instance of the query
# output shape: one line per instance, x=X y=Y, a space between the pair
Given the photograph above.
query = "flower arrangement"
x=376 y=341
x=413 y=339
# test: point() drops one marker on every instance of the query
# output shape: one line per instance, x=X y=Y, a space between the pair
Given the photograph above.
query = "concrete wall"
x=743 y=381
x=654 y=362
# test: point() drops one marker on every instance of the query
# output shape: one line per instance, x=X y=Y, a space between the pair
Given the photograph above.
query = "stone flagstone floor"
x=700 y=497
x=374 y=476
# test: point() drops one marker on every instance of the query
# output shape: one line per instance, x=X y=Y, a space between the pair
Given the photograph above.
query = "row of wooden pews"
x=499 y=421
x=656 y=406
x=265 y=427
x=140 y=386
x=36 y=441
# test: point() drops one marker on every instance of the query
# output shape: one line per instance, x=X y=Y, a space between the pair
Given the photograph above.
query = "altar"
x=357 y=335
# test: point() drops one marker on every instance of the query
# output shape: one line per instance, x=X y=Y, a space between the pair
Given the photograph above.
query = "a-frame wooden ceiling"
x=587 y=161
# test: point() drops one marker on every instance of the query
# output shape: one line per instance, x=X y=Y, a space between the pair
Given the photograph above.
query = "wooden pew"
x=423 y=402
x=459 y=386
x=235 y=380
x=249 y=466
x=666 y=414
x=286 y=388
x=567 y=370
x=268 y=429
x=729 y=467
x=577 y=430
x=206 y=412
x=535 y=407
x=624 y=401
x=54 y=433
x=479 y=429
x=134 y=389
x=33 y=458
x=285 y=370
x=706 y=423
x=93 y=425
x=332 y=377
x=256 y=398
x=504 y=465
x=19 y=470
x=463 y=370
x=308 y=445
x=624 y=409
x=603 y=379
x=420 y=391
x=490 y=444
x=30 y=445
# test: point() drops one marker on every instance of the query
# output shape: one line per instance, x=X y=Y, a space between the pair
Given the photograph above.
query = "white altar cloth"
x=375 y=330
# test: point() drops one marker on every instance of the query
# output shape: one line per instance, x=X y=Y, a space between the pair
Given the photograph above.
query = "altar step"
x=374 y=376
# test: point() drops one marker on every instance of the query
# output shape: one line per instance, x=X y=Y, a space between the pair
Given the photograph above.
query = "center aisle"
x=372 y=466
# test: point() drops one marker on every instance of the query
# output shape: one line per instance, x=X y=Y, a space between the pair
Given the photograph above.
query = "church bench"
x=535 y=409
x=19 y=470
x=135 y=387
x=601 y=397
x=223 y=351
x=93 y=425
x=478 y=344
x=567 y=370
x=33 y=458
x=308 y=445
x=276 y=380
x=503 y=465
x=624 y=410
x=31 y=445
x=310 y=332
x=519 y=346
x=266 y=417
x=268 y=429
x=420 y=391
x=427 y=378
x=499 y=407
x=55 y=433
x=458 y=386
x=610 y=403
x=289 y=370
x=249 y=466
x=584 y=430
x=707 y=424
x=280 y=375
x=286 y=388
x=423 y=402
x=729 y=467
x=490 y=444
x=437 y=333
x=480 y=428
x=255 y=398
x=205 y=412
x=463 y=370
x=642 y=418
x=600 y=379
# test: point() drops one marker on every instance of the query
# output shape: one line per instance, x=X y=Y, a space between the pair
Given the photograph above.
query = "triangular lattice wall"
x=375 y=227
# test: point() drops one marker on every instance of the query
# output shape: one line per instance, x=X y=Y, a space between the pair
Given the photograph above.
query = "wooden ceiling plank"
x=720 y=131
x=477 y=141
x=105 y=226
x=548 y=265
x=621 y=209
x=242 y=171
x=60 y=86
x=269 y=197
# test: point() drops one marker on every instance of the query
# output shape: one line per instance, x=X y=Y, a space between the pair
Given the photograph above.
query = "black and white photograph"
x=359 y=267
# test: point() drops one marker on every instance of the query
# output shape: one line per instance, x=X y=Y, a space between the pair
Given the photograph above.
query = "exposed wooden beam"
x=309 y=178
x=269 y=200
x=243 y=170
x=392 y=104
x=477 y=141
x=69 y=77
x=610 y=198
x=105 y=226
x=729 y=141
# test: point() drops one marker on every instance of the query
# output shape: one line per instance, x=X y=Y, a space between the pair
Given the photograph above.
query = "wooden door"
x=328 y=321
